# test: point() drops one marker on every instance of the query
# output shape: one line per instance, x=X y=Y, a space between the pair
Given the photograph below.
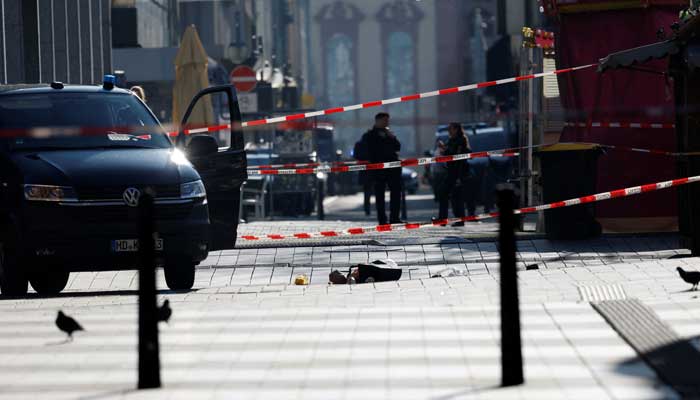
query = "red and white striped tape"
x=410 y=162
x=411 y=97
x=619 y=193
x=350 y=166
x=377 y=103
x=651 y=151
x=637 y=125
x=206 y=129
x=306 y=165
x=336 y=110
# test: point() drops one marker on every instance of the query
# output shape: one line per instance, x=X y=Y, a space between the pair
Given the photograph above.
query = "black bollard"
x=149 y=359
x=511 y=348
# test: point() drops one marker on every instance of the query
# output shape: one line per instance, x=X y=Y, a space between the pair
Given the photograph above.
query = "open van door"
x=220 y=159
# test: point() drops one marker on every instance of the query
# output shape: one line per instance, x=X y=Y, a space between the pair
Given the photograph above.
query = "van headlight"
x=193 y=190
x=50 y=193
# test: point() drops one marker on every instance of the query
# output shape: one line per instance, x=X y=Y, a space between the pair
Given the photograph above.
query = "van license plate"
x=132 y=245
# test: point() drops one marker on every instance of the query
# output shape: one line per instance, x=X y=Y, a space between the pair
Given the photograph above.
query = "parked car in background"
x=282 y=195
x=409 y=178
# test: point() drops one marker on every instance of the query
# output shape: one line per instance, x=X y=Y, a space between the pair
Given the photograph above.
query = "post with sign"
x=244 y=79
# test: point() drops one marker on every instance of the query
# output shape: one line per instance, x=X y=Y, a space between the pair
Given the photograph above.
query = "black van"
x=74 y=161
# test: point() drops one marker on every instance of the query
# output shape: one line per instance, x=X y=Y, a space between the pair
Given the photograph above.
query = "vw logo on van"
x=131 y=197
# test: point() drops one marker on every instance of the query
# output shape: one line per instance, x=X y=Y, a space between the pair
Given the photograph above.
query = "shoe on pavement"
x=460 y=223
x=397 y=221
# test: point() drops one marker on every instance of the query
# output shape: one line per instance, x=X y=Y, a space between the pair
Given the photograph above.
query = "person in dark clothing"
x=457 y=172
x=360 y=153
x=367 y=189
x=383 y=146
x=475 y=185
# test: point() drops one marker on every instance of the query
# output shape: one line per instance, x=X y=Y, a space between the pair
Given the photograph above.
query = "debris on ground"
x=301 y=280
x=449 y=272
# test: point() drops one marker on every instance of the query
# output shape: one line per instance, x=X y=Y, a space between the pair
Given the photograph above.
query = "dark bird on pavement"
x=692 y=277
x=67 y=324
x=164 y=311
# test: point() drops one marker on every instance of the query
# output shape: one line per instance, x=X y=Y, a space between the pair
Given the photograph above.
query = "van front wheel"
x=49 y=281
x=179 y=273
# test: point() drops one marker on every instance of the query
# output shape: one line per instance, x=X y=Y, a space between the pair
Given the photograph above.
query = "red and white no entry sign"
x=243 y=78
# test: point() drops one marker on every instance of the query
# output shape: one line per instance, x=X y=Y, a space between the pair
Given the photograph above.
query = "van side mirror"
x=201 y=145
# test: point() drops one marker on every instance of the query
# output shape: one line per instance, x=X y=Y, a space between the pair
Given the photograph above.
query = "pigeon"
x=67 y=324
x=164 y=311
x=692 y=277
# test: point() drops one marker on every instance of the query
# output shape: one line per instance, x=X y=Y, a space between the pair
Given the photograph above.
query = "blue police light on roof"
x=109 y=81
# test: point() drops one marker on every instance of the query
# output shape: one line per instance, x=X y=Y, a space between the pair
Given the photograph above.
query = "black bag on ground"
x=380 y=271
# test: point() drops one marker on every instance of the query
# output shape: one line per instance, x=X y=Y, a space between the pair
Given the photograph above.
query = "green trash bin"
x=569 y=171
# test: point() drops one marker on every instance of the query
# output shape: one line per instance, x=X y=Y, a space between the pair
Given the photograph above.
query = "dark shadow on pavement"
x=676 y=364
x=98 y=293
x=111 y=393
x=684 y=291
x=466 y=392
x=64 y=341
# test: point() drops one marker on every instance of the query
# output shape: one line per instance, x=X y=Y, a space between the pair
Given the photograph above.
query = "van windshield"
x=78 y=120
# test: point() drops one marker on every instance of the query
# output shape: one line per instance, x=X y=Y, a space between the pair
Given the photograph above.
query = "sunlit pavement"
x=409 y=339
x=246 y=332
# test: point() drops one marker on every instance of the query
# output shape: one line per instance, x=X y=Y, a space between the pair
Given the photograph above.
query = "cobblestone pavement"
x=245 y=332
x=343 y=212
x=422 y=260
x=422 y=338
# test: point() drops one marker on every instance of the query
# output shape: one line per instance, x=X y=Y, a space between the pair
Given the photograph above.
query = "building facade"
x=55 y=40
x=365 y=50
x=338 y=52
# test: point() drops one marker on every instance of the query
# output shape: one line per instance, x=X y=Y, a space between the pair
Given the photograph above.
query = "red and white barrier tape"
x=651 y=151
x=377 y=103
x=306 y=165
x=350 y=166
x=630 y=191
x=637 y=125
x=410 y=162
x=336 y=110
x=412 y=97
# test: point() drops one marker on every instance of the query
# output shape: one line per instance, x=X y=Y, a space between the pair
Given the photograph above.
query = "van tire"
x=13 y=280
x=49 y=281
x=179 y=273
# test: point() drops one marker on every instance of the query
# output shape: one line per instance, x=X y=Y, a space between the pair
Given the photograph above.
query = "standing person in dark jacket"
x=360 y=153
x=383 y=146
x=457 y=171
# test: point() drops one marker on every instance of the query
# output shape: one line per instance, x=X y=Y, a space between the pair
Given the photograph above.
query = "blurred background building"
x=324 y=53
x=307 y=53
x=55 y=40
